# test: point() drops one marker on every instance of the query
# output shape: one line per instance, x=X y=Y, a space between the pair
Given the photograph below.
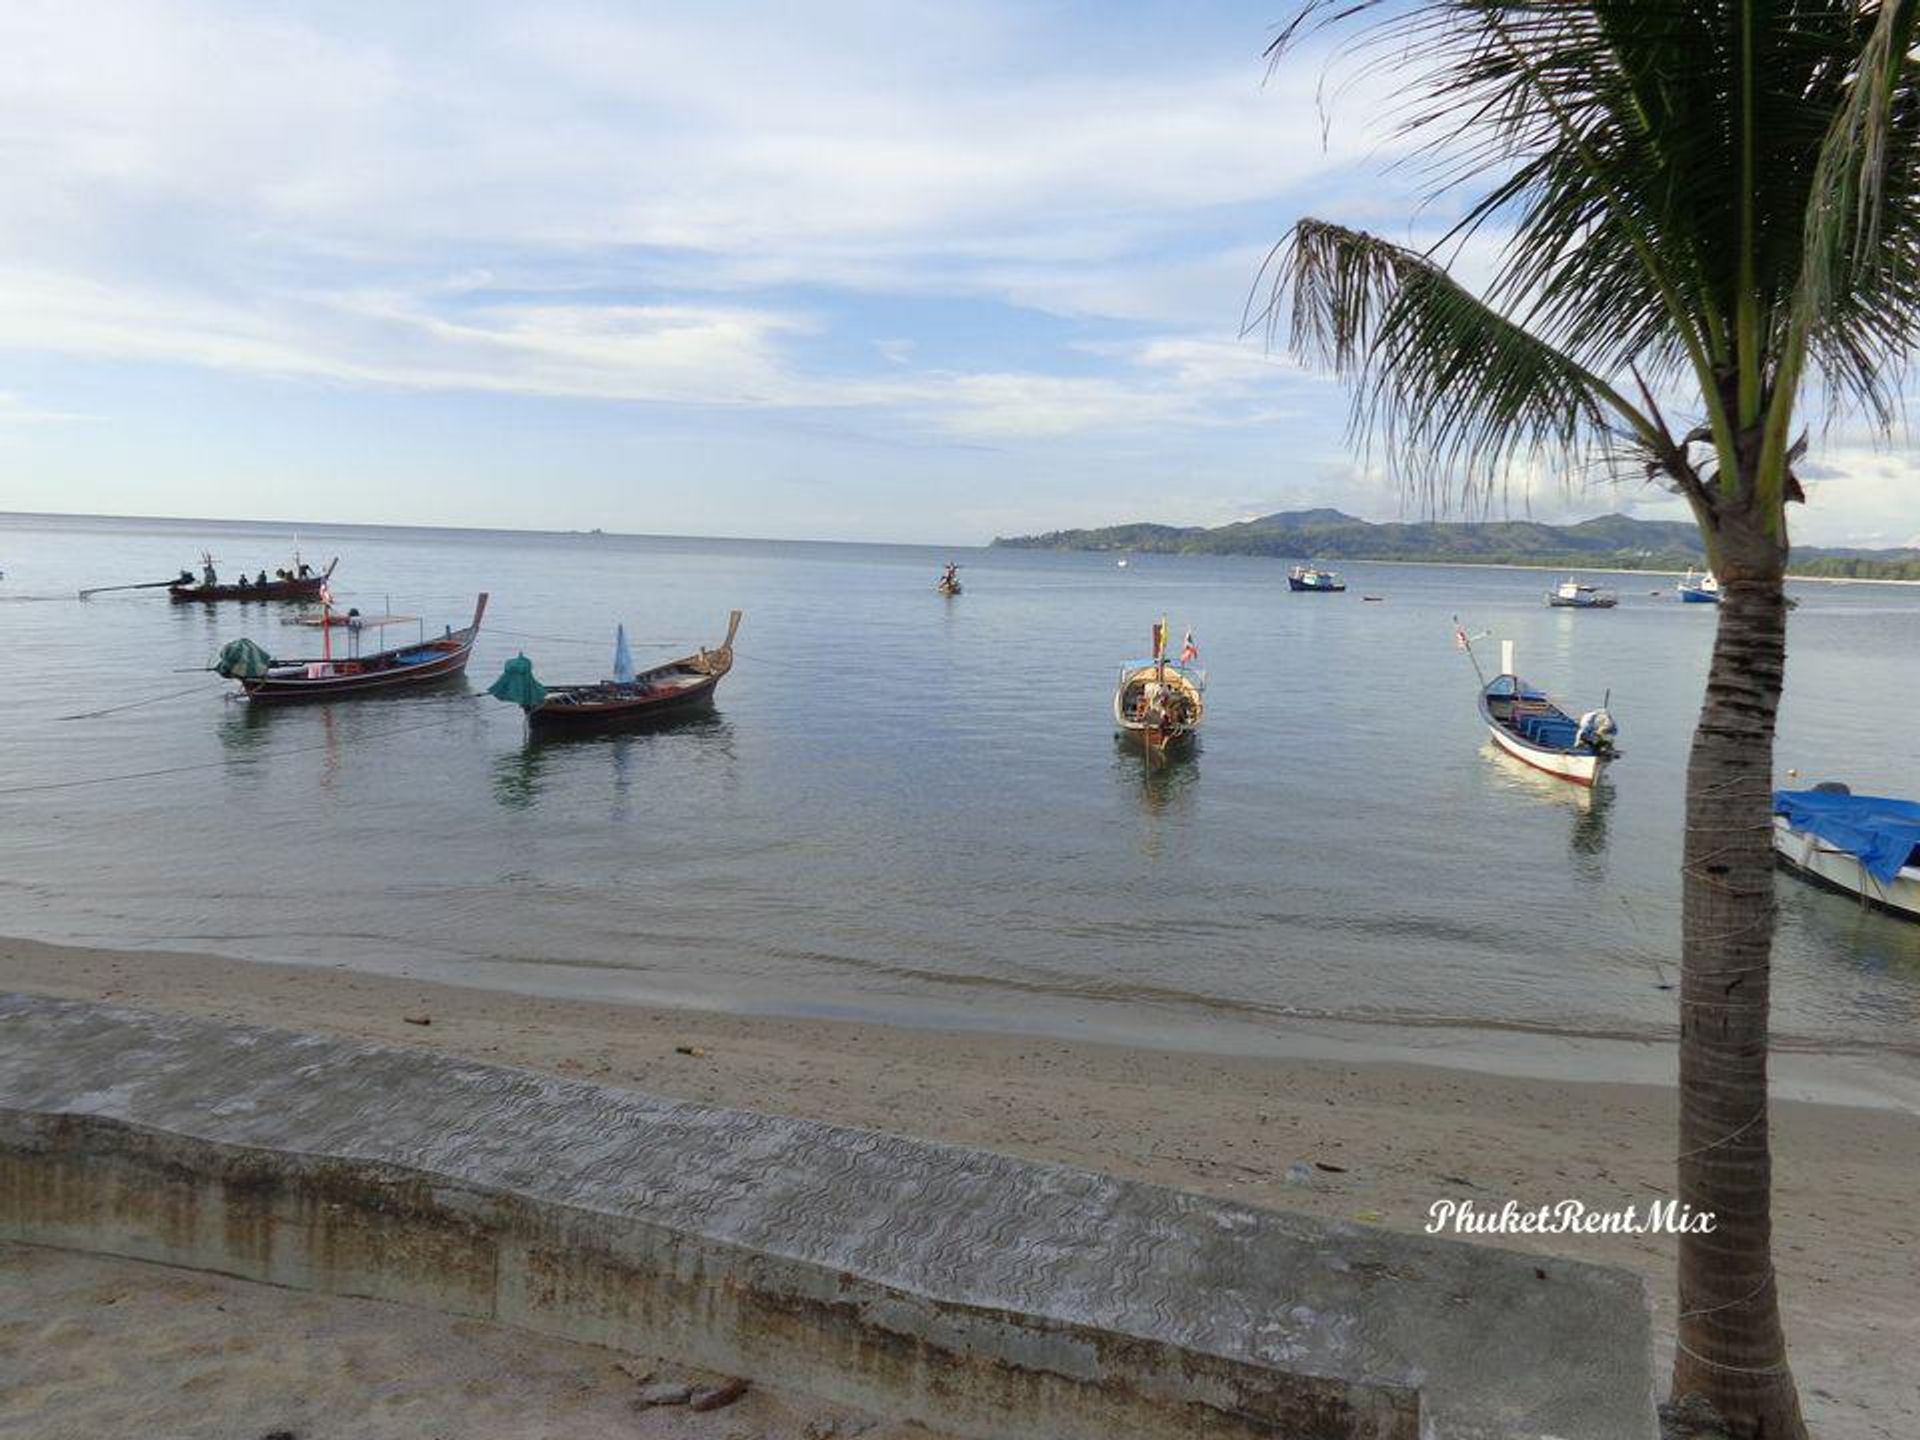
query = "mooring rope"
x=201 y=689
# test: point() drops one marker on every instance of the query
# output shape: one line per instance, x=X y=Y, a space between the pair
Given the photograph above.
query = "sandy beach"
x=1371 y=1140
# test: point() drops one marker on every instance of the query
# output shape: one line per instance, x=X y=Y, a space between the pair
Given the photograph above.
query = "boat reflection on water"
x=1587 y=841
x=603 y=761
x=1163 y=779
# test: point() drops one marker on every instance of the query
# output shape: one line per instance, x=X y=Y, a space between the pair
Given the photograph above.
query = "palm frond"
x=1457 y=394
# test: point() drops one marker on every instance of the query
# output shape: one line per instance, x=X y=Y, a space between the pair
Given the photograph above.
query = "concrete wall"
x=977 y=1293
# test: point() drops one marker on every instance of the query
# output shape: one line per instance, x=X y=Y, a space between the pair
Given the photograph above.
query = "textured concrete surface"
x=978 y=1293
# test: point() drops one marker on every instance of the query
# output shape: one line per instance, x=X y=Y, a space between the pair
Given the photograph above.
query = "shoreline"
x=1344 y=1135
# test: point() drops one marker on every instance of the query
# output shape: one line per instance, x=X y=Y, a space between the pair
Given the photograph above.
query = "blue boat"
x=1702 y=591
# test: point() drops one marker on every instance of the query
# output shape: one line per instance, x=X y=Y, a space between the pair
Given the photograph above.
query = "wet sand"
x=1373 y=1140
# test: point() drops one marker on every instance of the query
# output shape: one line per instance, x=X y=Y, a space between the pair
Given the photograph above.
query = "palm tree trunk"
x=1731 y=1348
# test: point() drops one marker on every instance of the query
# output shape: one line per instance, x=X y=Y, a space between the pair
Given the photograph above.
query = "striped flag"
x=1189 y=651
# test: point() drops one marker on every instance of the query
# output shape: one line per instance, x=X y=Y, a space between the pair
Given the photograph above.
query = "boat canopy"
x=1881 y=833
x=517 y=686
x=1191 y=672
x=242 y=660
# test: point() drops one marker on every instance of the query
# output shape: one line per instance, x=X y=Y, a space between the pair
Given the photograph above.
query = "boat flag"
x=1189 y=651
x=622 y=657
x=1159 y=638
x=1460 y=637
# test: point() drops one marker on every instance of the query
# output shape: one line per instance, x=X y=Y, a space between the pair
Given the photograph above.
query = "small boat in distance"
x=1525 y=724
x=1160 y=702
x=294 y=581
x=1702 y=591
x=267 y=681
x=1863 y=845
x=1309 y=577
x=666 y=691
x=949 y=582
x=1570 y=594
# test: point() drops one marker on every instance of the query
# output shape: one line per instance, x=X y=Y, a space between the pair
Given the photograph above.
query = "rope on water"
x=574 y=640
x=435 y=724
x=201 y=689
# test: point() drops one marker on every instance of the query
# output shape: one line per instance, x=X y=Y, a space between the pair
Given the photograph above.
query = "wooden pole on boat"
x=143 y=585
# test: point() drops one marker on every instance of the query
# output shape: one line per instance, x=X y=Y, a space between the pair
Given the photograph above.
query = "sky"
x=876 y=271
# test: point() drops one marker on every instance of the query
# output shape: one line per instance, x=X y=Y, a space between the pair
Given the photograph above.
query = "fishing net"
x=517 y=686
x=242 y=660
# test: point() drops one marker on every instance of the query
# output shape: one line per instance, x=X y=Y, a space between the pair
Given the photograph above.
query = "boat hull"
x=1580 y=769
x=1833 y=869
x=1698 y=597
x=630 y=714
x=1303 y=586
x=1559 y=604
x=290 y=690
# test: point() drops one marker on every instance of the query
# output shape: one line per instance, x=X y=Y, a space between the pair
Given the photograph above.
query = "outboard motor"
x=1596 y=729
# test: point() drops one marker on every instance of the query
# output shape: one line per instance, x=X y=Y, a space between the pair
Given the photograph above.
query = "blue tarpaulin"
x=1881 y=833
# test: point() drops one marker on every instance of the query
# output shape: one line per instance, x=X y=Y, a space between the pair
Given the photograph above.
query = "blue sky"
x=885 y=270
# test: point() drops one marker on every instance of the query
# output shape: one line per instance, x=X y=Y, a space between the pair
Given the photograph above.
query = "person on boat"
x=306 y=570
x=263 y=578
x=245 y=583
x=210 y=576
x=952 y=577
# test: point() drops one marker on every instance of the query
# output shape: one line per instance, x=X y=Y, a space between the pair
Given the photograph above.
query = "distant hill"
x=1612 y=542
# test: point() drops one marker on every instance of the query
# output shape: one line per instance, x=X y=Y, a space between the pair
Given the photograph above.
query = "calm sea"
x=912 y=808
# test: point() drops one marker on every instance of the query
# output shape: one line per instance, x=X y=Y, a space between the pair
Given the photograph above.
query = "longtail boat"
x=287 y=584
x=266 y=680
x=667 y=691
x=1525 y=724
x=949 y=582
x=1160 y=702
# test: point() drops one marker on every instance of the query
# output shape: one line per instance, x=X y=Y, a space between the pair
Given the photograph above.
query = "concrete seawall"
x=981 y=1294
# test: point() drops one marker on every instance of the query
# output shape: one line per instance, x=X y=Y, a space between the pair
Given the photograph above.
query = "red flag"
x=1189 y=651
x=1459 y=638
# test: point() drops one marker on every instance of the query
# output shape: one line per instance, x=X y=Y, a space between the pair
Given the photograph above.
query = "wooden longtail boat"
x=268 y=681
x=1160 y=702
x=667 y=691
x=1525 y=724
x=949 y=582
x=297 y=587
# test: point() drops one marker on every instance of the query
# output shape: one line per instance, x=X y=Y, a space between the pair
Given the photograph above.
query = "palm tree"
x=1710 y=201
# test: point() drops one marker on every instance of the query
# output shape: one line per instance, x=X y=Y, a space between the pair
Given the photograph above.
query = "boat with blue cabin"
x=1312 y=578
x=1702 y=590
x=1862 y=845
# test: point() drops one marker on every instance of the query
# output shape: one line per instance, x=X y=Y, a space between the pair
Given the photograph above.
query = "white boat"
x=1570 y=594
x=1864 y=845
x=1704 y=590
x=1525 y=724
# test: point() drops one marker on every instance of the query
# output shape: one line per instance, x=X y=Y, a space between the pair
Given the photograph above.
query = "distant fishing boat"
x=1121 y=563
x=1570 y=594
x=266 y=680
x=293 y=582
x=1525 y=724
x=1308 y=577
x=627 y=699
x=1160 y=702
x=1702 y=591
x=1863 y=845
x=949 y=582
